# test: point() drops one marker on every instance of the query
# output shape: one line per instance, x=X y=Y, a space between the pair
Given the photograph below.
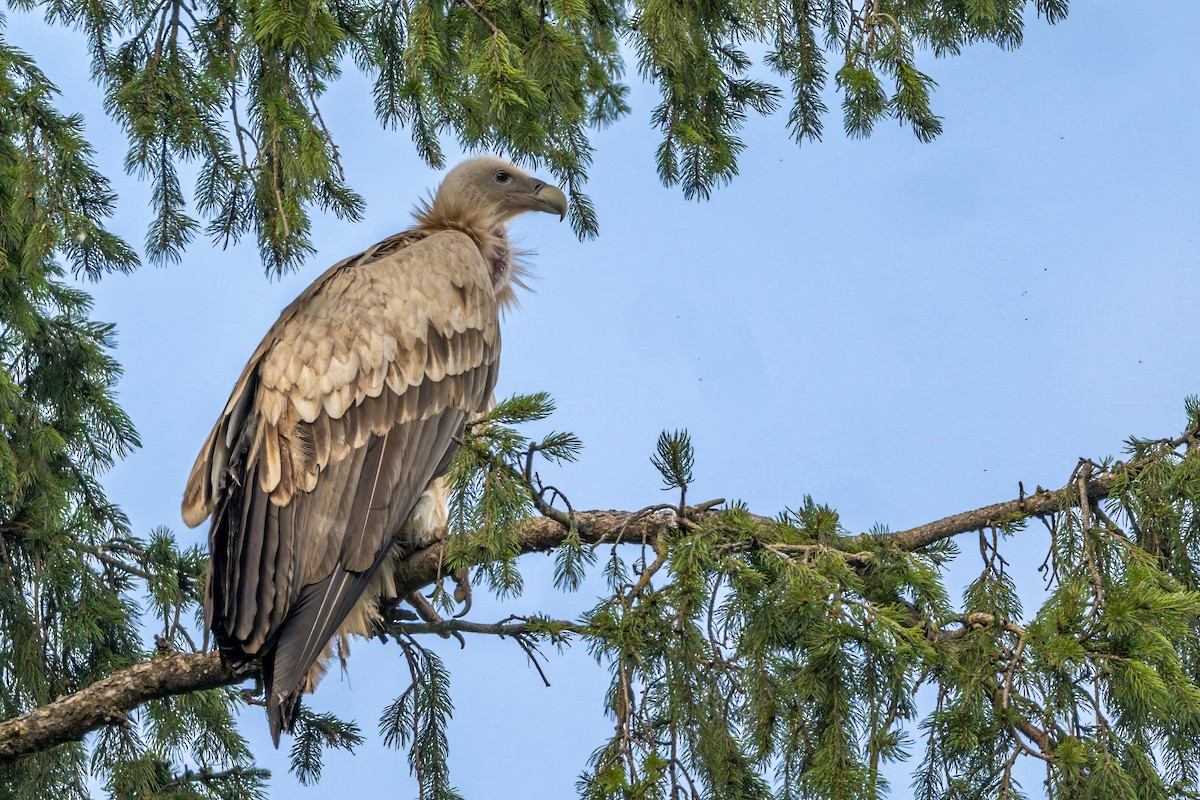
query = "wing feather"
x=321 y=441
x=345 y=413
x=325 y=603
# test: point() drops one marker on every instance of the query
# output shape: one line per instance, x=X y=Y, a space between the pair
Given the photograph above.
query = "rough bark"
x=1037 y=504
x=109 y=701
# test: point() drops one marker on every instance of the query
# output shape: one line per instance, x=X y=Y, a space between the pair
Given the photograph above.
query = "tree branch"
x=1037 y=504
x=208 y=777
x=108 y=701
x=515 y=626
x=541 y=534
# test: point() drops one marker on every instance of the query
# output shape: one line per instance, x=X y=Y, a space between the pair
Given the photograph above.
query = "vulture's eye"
x=502 y=177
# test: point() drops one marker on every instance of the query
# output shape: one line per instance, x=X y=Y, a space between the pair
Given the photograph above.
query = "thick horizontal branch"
x=1037 y=504
x=542 y=534
x=599 y=527
x=108 y=701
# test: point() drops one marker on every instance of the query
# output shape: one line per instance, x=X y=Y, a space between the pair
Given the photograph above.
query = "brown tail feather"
x=303 y=637
x=282 y=707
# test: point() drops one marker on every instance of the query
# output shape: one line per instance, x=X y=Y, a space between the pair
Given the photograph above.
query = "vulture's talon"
x=462 y=591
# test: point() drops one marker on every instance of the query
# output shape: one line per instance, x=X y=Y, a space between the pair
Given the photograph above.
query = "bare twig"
x=522 y=627
x=475 y=9
x=208 y=776
x=112 y=561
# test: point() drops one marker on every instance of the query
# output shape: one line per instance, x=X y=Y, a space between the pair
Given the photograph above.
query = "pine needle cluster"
x=236 y=88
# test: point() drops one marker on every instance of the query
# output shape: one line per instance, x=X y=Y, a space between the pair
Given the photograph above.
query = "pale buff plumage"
x=322 y=468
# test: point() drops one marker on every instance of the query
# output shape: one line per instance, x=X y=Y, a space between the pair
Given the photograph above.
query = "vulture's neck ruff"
x=485 y=225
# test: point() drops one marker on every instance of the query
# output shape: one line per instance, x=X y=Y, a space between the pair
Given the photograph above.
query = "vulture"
x=324 y=464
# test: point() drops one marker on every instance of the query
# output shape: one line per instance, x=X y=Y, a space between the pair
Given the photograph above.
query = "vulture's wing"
x=346 y=411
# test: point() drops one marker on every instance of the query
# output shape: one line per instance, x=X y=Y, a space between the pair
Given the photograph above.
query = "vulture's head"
x=505 y=189
x=478 y=197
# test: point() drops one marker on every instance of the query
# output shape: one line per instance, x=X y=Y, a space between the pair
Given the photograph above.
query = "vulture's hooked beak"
x=550 y=199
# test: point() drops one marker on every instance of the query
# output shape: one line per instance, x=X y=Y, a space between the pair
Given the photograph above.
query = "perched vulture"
x=347 y=412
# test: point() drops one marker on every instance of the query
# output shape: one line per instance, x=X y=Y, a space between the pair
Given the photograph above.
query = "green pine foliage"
x=313 y=733
x=765 y=663
x=748 y=657
x=64 y=623
x=755 y=657
x=235 y=87
x=418 y=720
x=74 y=580
x=156 y=756
x=493 y=492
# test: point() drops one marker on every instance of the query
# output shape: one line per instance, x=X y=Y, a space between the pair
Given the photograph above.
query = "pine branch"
x=209 y=777
x=109 y=701
x=605 y=527
x=1038 y=504
x=1085 y=485
x=112 y=561
x=514 y=626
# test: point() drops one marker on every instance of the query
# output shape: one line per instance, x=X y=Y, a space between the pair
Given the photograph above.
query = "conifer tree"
x=750 y=655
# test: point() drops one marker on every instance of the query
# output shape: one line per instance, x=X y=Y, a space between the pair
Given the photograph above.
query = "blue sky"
x=901 y=330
